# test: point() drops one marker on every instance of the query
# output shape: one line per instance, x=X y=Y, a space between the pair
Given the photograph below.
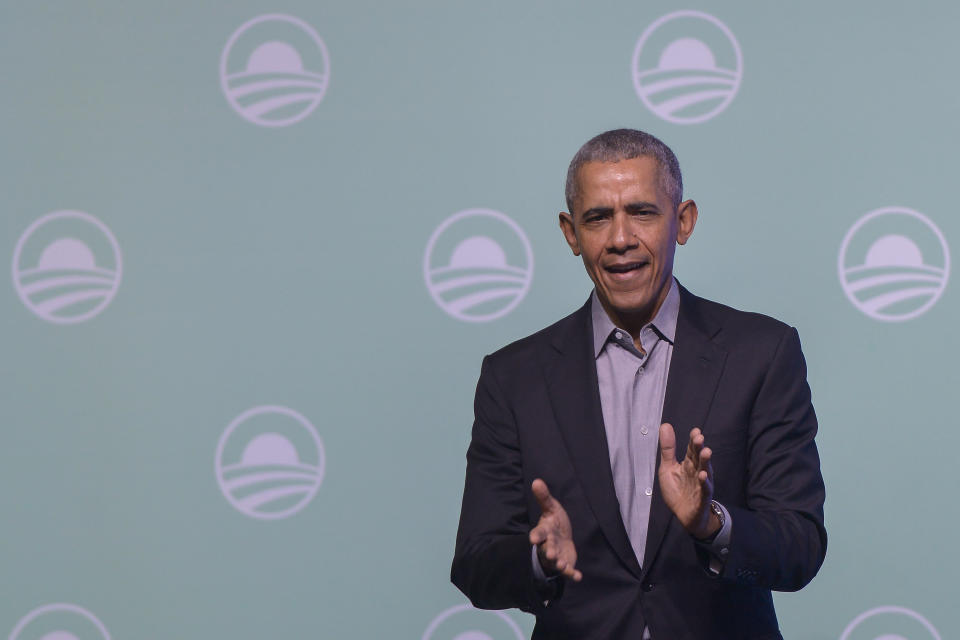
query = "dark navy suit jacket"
x=741 y=378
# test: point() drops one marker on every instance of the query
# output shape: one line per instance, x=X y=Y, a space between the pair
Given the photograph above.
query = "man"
x=581 y=507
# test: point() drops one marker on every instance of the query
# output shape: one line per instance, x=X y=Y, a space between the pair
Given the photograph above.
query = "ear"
x=569 y=233
x=687 y=214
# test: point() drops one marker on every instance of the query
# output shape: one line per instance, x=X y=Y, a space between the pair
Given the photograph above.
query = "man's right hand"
x=553 y=536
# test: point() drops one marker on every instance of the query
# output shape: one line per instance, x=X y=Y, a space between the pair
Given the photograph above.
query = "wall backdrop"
x=257 y=251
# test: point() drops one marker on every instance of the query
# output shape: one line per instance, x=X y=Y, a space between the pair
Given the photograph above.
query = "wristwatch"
x=717 y=511
x=715 y=507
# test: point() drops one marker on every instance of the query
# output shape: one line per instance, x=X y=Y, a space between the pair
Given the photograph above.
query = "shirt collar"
x=665 y=322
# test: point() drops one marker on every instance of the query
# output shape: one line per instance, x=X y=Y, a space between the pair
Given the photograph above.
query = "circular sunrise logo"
x=464 y=622
x=894 y=264
x=270 y=462
x=59 y=622
x=274 y=70
x=687 y=67
x=67 y=267
x=478 y=265
x=890 y=623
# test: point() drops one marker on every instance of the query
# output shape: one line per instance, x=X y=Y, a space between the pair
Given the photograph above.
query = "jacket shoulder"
x=732 y=316
x=737 y=326
x=524 y=349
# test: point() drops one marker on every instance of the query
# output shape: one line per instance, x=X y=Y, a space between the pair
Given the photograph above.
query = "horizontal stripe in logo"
x=656 y=87
x=267 y=85
x=875 y=281
x=262 y=498
x=59 y=303
x=65 y=281
x=462 y=304
x=264 y=107
x=249 y=75
x=464 y=281
x=881 y=302
x=671 y=106
x=257 y=478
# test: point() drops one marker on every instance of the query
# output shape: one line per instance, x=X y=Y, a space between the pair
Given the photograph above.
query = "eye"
x=595 y=215
x=642 y=210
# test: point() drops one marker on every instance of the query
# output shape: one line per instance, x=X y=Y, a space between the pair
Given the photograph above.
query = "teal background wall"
x=284 y=266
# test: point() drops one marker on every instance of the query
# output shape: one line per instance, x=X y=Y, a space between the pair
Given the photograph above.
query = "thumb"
x=668 y=444
x=542 y=494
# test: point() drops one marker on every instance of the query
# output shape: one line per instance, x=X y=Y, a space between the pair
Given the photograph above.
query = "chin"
x=630 y=303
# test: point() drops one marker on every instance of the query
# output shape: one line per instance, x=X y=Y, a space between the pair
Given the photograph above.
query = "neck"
x=635 y=319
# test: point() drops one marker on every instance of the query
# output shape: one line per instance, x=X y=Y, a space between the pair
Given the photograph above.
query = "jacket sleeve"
x=492 y=562
x=778 y=538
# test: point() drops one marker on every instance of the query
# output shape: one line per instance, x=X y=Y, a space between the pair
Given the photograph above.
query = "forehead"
x=635 y=177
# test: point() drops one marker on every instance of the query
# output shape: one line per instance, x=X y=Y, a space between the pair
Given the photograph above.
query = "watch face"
x=717 y=510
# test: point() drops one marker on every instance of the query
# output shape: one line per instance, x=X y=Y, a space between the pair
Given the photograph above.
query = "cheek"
x=595 y=260
x=661 y=246
x=590 y=254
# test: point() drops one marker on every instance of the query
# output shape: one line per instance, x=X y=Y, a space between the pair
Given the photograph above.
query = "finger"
x=694 y=444
x=668 y=444
x=545 y=562
x=703 y=460
x=569 y=571
x=706 y=457
x=538 y=534
x=542 y=494
x=691 y=452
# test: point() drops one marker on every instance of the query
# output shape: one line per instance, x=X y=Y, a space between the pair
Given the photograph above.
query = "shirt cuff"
x=719 y=547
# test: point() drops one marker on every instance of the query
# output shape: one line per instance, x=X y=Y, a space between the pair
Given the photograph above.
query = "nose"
x=621 y=237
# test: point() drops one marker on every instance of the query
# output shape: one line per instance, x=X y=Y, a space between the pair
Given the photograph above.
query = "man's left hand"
x=687 y=486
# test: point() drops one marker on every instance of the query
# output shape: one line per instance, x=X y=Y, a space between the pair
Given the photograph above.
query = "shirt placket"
x=643 y=461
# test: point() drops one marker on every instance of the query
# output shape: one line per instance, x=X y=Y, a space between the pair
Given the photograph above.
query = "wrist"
x=713 y=524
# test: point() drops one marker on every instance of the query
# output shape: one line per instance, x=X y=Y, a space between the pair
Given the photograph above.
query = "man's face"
x=626 y=229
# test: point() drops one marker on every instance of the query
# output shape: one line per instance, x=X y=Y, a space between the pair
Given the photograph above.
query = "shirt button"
x=644 y=430
x=724 y=551
x=618 y=335
x=648 y=491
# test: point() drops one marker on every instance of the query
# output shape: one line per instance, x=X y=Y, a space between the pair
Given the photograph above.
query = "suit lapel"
x=695 y=370
x=571 y=375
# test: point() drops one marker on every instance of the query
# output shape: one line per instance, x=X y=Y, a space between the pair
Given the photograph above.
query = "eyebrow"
x=642 y=205
x=599 y=211
x=638 y=206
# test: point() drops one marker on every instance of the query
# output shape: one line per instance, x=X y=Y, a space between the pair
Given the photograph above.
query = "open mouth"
x=625 y=267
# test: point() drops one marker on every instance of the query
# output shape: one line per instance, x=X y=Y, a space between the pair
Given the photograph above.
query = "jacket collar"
x=664 y=322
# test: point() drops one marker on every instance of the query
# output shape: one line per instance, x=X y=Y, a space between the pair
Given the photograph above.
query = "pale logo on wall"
x=687 y=67
x=890 y=623
x=894 y=264
x=478 y=265
x=67 y=267
x=274 y=70
x=59 y=621
x=463 y=622
x=270 y=462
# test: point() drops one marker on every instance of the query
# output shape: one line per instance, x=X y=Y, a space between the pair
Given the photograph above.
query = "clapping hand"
x=687 y=486
x=553 y=535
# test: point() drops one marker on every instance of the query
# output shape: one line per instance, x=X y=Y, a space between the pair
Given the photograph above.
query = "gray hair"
x=625 y=144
